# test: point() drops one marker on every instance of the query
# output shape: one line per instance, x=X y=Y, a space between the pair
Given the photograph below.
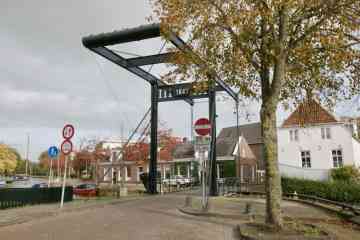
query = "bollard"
x=236 y=233
x=295 y=196
x=188 y=201
x=248 y=208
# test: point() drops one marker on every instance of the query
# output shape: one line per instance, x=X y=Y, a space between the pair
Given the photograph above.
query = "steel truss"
x=161 y=91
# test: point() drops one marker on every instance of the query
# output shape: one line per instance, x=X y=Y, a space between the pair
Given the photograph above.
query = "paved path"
x=149 y=218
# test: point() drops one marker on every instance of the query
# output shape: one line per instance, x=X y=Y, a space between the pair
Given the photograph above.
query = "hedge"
x=332 y=190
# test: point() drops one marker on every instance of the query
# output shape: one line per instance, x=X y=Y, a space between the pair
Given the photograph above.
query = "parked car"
x=40 y=185
x=178 y=180
x=86 y=190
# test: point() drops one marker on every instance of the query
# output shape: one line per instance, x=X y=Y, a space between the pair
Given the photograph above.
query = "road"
x=154 y=217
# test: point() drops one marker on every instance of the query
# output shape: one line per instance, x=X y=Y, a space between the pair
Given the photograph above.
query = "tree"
x=271 y=50
x=58 y=163
x=83 y=161
x=20 y=163
x=167 y=144
x=139 y=152
x=8 y=159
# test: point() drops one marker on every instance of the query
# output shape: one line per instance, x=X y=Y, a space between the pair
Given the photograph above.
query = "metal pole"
x=27 y=155
x=153 y=144
x=64 y=183
x=238 y=143
x=212 y=155
x=50 y=172
x=192 y=123
x=203 y=178
x=58 y=168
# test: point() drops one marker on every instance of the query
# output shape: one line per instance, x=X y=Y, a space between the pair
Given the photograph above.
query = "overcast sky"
x=49 y=79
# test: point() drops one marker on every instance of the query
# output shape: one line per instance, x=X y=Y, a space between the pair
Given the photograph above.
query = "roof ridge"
x=248 y=124
x=309 y=112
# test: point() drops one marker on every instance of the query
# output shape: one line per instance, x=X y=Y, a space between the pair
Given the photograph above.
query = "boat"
x=2 y=183
x=9 y=181
x=20 y=178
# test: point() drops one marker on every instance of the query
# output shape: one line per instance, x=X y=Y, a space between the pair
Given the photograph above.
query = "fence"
x=16 y=197
x=176 y=184
x=235 y=185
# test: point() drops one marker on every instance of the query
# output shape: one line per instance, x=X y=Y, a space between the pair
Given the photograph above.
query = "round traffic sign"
x=53 y=151
x=66 y=147
x=202 y=126
x=68 y=131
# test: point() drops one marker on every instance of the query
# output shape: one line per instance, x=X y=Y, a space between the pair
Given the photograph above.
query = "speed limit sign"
x=66 y=147
x=68 y=131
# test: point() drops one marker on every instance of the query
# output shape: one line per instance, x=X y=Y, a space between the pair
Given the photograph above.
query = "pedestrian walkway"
x=245 y=209
x=35 y=212
x=153 y=217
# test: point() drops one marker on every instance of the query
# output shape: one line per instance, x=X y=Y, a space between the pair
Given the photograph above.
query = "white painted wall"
x=112 y=144
x=289 y=152
x=305 y=173
x=356 y=148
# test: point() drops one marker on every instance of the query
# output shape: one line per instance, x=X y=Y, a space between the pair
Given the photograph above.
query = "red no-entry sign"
x=202 y=126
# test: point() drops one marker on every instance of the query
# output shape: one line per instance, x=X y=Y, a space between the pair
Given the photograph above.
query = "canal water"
x=35 y=180
x=26 y=184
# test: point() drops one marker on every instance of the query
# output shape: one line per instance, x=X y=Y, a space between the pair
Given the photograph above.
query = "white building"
x=312 y=141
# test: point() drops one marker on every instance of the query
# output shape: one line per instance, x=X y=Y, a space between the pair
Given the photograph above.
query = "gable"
x=309 y=113
x=227 y=139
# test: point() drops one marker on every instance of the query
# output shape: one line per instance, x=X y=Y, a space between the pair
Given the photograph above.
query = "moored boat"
x=2 y=183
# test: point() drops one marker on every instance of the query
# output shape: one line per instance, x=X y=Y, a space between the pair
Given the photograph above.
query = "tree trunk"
x=272 y=180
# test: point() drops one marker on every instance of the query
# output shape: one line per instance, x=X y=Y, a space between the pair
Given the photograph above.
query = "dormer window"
x=326 y=133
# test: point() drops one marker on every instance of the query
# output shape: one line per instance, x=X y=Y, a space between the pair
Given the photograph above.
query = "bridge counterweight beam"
x=154 y=140
x=212 y=155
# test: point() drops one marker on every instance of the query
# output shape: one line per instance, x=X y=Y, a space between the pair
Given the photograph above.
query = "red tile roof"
x=309 y=113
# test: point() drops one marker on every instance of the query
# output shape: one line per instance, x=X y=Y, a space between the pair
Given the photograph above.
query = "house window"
x=221 y=170
x=128 y=170
x=113 y=159
x=325 y=133
x=140 y=169
x=306 y=159
x=337 y=158
x=294 y=135
x=328 y=133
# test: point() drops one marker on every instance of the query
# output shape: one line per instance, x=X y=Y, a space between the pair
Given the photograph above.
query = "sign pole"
x=66 y=148
x=50 y=172
x=203 y=163
x=64 y=183
x=58 y=170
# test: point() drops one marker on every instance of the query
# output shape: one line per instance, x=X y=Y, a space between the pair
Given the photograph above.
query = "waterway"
x=27 y=183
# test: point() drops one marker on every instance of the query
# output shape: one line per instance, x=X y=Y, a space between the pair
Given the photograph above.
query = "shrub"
x=345 y=174
x=105 y=191
x=338 y=191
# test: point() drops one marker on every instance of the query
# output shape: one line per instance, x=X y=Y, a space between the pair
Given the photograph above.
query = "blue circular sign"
x=53 y=151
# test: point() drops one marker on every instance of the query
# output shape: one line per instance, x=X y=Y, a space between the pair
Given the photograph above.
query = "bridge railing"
x=176 y=184
x=17 y=197
x=234 y=185
x=313 y=199
x=237 y=185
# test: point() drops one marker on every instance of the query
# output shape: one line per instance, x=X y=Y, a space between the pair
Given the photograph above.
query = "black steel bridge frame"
x=161 y=91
